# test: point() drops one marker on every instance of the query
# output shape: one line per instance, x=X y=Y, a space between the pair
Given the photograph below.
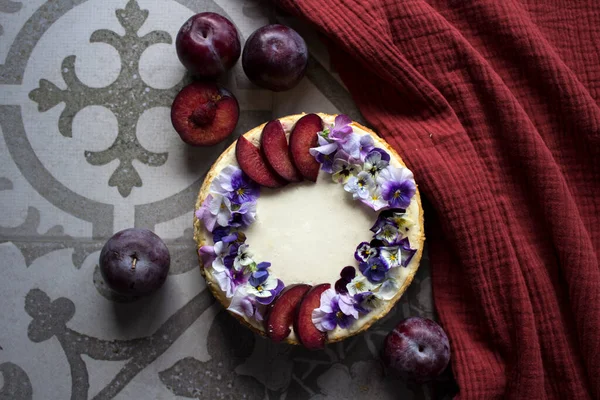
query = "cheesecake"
x=309 y=229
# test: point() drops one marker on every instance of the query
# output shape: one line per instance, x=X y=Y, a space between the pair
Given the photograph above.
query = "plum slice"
x=274 y=145
x=307 y=332
x=204 y=114
x=254 y=164
x=281 y=312
x=302 y=138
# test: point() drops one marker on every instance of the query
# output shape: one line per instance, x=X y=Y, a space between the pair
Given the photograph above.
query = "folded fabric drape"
x=495 y=107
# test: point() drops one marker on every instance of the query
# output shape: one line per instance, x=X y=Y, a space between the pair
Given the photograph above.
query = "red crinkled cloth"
x=494 y=106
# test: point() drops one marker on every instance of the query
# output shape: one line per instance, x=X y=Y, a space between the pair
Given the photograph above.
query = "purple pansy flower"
x=359 y=284
x=366 y=144
x=388 y=289
x=346 y=304
x=392 y=224
x=218 y=209
x=375 y=199
x=403 y=222
x=232 y=253
x=397 y=186
x=344 y=167
x=243 y=257
x=220 y=232
x=364 y=251
x=243 y=215
x=325 y=147
x=351 y=145
x=374 y=269
x=360 y=185
x=229 y=279
x=388 y=234
x=236 y=185
x=365 y=302
x=222 y=182
x=346 y=275
x=331 y=312
x=374 y=164
x=207 y=255
x=341 y=128
x=266 y=288
x=407 y=252
x=384 y=154
x=226 y=235
x=325 y=153
x=326 y=161
x=392 y=256
x=246 y=305
x=245 y=190
x=260 y=273
x=340 y=286
x=220 y=250
x=343 y=135
x=236 y=279
x=203 y=214
x=387 y=217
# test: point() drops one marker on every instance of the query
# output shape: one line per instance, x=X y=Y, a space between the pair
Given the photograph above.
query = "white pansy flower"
x=264 y=289
x=359 y=284
x=391 y=255
x=243 y=258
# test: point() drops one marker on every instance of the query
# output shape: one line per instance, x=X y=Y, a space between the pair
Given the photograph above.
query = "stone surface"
x=87 y=150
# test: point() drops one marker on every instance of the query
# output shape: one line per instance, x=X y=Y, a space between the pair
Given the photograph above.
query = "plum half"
x=204 y=114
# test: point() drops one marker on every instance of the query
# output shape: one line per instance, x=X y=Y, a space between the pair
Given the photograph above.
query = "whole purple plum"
x=208 y=44
x=417 y=348
x=134 y=262
x=275 y=57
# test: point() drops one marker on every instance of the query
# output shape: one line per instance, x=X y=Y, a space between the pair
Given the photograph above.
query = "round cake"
x=309 y=229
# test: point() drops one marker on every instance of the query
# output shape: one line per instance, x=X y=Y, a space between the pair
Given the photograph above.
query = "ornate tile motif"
x=127 y=108
x=9 y=7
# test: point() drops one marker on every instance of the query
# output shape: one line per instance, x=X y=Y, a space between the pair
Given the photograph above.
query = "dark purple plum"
x=417 y=348
x=275 y=57
x=134 y=262
x=208 y=44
